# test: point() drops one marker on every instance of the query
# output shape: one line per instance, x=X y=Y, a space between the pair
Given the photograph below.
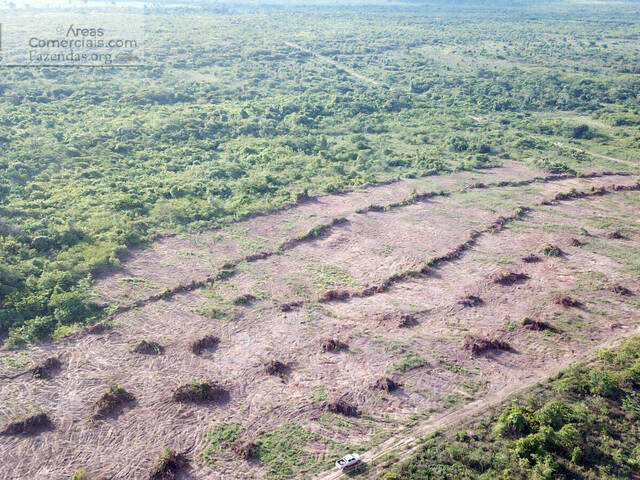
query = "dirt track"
x=367 y=248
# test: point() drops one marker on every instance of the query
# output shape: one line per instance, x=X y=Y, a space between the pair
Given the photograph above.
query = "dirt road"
x=594 y=154
x=338 y=65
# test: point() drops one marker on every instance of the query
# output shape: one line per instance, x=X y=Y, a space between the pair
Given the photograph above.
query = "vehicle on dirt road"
x=349 y=462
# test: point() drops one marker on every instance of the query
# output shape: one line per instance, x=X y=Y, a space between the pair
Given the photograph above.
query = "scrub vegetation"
x=249 y=120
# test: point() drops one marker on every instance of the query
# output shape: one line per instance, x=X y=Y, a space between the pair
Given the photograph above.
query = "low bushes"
x=582 y=424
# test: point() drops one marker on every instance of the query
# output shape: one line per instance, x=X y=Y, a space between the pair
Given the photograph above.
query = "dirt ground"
x=413 y=332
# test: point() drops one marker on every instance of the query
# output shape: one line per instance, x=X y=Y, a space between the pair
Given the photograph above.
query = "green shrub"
x=603 y=383
x=514 y=421
x=554 y=414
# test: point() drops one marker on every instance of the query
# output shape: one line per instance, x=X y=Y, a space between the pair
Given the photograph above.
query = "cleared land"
x=392 y=261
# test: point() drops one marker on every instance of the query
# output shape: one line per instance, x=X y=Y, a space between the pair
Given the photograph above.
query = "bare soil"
x=412 y=332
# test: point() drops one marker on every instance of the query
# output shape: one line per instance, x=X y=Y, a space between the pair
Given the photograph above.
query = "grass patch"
x=411 y=361
x=330 y=276
x=220 y=438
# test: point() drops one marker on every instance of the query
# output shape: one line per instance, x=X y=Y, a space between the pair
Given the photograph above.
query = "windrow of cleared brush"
x=498 y=225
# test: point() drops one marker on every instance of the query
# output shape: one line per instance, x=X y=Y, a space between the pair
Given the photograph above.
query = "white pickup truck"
x=348 y=462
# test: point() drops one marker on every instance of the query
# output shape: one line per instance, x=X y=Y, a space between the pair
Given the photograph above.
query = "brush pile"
x=208 y=342
x=28 y=426
x=477 y=345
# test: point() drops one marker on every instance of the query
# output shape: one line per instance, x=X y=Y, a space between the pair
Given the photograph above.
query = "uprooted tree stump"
x=112 y=401
x=407 y=320
x=531 y=258
x=275 y=367
x=46 y=369
x=478 y=345
x=169 y=464
x=510 y=278
x=386 y=384
x=537 y=325
x=337 y=295
x=147 y=347
x=29 y=425
x=616 y=235
x=552 y=251
x=566 y=301
x=620 y=290
x=201 y=392
x=245 y=450
x=333 y=345
x=199 y=345
x=288 y=307
x=471 y=301
x=341 y=407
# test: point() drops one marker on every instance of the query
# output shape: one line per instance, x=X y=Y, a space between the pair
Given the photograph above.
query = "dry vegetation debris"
x=276 y=368
x=342 y=407
x=386 y=384
x=622 y=290
x=333 y=345
x=208 y=342
x=510 y=278
x=567 y=301
x=478 y=345
x=29 y=426
x=531 y=258
x=201 y=392
x=112 y=401
x=537 y=325
x=46 y=369
x=552 y=251
x=244 y=449
x=471 y=301
x=148 y=347
x=616 y=235
x=169 y=465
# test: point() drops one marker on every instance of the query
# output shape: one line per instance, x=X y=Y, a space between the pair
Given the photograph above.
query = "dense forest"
x=242 y=110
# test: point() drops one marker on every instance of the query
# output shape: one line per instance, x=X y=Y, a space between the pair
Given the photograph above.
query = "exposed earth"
x=427 y=290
